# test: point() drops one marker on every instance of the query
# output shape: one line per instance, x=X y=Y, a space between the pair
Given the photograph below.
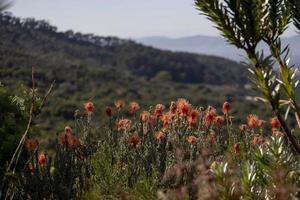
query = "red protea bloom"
x=31 y=144
x=191 y=139
x=226 y=107
x=42 y=159
x=165 y=118
x=253 y=121
x=134 y=140
x=133 y=107
x=73 y=141
x=255 y=140
x=89 y=106
x=159 y=135
x=145 y=116
x=123 y=124
x=210 y=115
x=119 y=104
x=173 y=107
x=194 y=114
x=108 y=111
x=274 y=122
x=66 y=136
x=183 y=106
x=236 y=148
x=158 y=111
x=192 y=122
x=219 y=120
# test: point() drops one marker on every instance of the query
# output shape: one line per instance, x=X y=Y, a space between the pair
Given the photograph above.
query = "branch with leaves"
x=247 y=23
x=295 y=8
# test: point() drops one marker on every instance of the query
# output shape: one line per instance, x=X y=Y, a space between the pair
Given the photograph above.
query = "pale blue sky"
x=123 y=18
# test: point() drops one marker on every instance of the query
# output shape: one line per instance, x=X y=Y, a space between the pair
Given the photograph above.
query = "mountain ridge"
x=43 y=44
x=214 y=45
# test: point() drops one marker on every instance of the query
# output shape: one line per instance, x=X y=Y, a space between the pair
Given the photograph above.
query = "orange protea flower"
x=253 y=121
x=42 y=159
x=31 y=144
x=145 y=116
x=219 y=120
x=210 y=115
x=66 y=136
x=274 y=122
x=133 y=107
x=192 y=122
x=123 y=124
x=165 y=118
x=159 y=135
x=183 y=106
x=173 y=107
x=134 y=140
x=74 y=141
x=108 y=111
x=226 y=107
x=158 y=111
x=193 y=117
x=194 y=114
x=119 y=104
x=89 y=106
x=236 y=148
x=191 y=139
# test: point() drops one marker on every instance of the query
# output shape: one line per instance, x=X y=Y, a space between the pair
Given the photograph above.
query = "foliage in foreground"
x=175 y=152
x=186 y=152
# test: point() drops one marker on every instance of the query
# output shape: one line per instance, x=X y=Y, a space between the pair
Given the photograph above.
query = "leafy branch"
x=247 y=23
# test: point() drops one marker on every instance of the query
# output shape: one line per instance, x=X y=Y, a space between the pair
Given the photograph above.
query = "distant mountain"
x=27 y=42
x=214 y=45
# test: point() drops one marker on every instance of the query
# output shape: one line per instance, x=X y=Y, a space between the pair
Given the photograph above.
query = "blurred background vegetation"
x=104 y=69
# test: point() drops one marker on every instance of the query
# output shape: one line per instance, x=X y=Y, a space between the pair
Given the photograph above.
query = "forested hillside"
x=27 y=42
x=104 y=69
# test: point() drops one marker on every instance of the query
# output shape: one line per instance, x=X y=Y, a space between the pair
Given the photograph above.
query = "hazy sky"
x=123 y=18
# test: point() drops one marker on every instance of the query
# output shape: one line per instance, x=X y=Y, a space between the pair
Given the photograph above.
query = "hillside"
x=214 y=45
x=38 y=43
x=104 y=69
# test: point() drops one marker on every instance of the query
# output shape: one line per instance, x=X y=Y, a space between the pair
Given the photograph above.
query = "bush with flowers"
x=183 y=151
x=175 y=151
x=62 y=174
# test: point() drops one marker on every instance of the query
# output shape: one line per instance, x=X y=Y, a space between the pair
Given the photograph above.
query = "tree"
x=12 y=124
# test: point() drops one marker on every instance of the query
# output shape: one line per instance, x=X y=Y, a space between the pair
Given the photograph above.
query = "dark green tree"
x=12 y=124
